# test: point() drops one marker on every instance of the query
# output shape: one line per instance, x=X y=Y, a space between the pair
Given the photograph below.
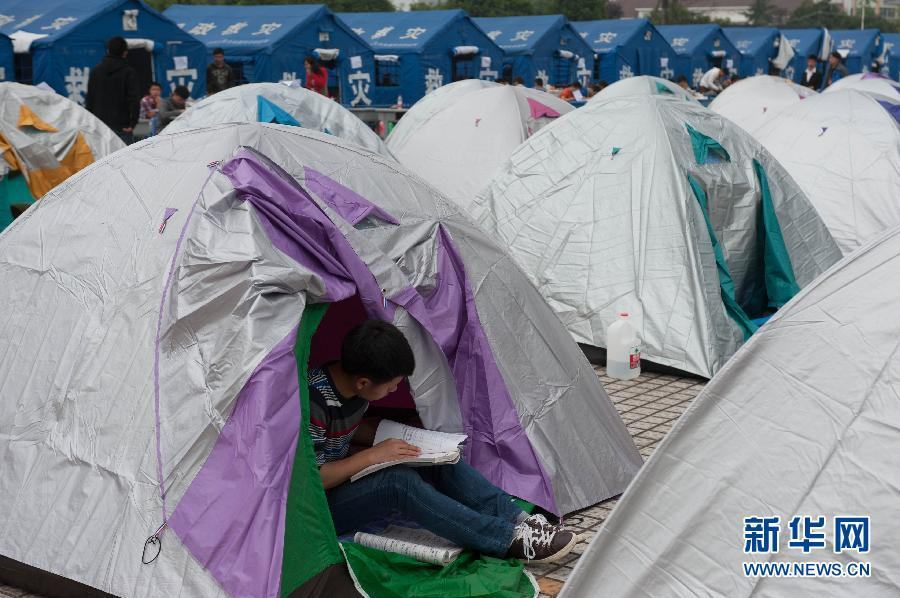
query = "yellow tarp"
x=41 y=181
x=27 y=118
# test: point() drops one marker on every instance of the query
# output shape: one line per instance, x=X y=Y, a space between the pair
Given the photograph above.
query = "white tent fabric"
x=804 y=421
x=843 y=149
x=751 y=102
x=58 y=111
x=598 y=211
x=643 y=85
x=870 y=82
x=457 y=137
x=89 y=311
x=313 y=111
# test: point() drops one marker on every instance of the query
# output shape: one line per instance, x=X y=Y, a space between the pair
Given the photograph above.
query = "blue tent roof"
x=408 y=31
x=804 y=41
x=243 y=26
x=752 y=40
x=857 y=42
x=685 y=39
x=519 y=34
x=891 y=43
x=52 y=18
x=605 y=36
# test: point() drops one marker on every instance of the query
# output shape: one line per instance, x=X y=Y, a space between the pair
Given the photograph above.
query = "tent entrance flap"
x=726 y=284
x=310 y=541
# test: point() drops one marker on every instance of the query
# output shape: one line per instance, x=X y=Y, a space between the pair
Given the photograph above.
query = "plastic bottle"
x=623 y=351
x=399 y=101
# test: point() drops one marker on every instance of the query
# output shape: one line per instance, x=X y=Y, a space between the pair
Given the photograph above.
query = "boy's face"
x=372 y=391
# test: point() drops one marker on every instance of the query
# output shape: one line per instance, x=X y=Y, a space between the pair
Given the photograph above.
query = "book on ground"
x=438 y=448
x=419 y=544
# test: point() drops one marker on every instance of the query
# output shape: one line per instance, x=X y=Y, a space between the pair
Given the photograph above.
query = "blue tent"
x=627 y=47
x=698 y=47
x=7 y=65
x=891 y=43
x=419 y=51
x=804 y=42
x=757 y=45
x=70 y=39
x=544 y=46
x=268 y=43
x=859 y=47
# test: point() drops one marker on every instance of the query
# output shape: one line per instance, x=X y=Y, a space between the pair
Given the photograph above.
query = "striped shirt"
x=333 y=419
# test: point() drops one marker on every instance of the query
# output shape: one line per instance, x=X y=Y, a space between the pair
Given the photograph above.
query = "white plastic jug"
x=623 y=351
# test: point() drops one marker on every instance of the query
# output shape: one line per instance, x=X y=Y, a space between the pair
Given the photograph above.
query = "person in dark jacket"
x=174 y=106
x=834 y=70
x=113 y=93
x=812 y=78
x=219 y=75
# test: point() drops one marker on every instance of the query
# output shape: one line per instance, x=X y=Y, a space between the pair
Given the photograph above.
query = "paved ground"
x=649 y=406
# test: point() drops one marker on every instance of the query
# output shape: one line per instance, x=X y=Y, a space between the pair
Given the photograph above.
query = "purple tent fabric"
x=352 y=206
x=892 y=109
x=232 y=515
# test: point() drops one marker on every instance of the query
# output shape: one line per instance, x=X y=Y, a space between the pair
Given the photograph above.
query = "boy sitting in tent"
x=452 y=501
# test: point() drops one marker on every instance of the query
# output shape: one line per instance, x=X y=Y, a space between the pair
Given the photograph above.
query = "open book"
x=419 y=544
x=437 y=447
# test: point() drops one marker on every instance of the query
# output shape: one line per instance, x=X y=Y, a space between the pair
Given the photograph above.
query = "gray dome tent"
x=282 y=104
x=659 y=207
x=803 y=421
x=159 y=308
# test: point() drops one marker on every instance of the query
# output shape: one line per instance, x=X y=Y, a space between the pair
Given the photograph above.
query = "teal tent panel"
x=270 y=112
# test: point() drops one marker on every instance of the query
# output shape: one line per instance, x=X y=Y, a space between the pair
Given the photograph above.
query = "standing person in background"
x=113 y=93
x=812 y=78
x=316 y=76
x=835 y=69
x=539 y=84
x=219 y=75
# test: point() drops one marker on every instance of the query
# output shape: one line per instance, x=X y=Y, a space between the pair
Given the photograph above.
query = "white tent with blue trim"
x=281 y=104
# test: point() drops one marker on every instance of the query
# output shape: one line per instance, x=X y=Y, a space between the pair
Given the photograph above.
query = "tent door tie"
x=153 y=545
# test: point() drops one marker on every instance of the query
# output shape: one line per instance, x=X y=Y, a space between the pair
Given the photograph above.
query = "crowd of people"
x=113 y=93
x=114 y=96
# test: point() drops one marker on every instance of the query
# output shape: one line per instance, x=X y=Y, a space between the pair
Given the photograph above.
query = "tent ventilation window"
x=706 y=149
x=387 y=73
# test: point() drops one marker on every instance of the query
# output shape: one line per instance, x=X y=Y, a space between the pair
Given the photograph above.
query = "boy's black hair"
x=218 y=51
x=182 y=92
x=538 y=81
x=155 y=84
x=813 y=57
x=378 y=351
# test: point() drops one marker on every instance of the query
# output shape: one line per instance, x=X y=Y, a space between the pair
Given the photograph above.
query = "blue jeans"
x=452 y=501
